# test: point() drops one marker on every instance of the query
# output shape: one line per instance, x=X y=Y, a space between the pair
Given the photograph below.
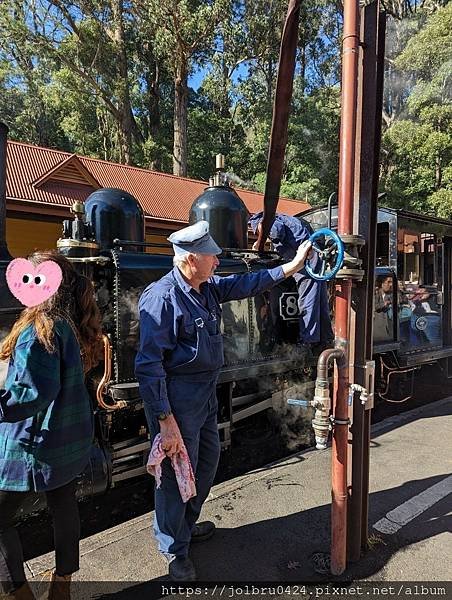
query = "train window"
x=429 y=262
x=417 y=258
x=382 y=250
x=419 y=280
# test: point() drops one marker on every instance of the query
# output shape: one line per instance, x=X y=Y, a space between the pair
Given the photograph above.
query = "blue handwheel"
x=330 y=251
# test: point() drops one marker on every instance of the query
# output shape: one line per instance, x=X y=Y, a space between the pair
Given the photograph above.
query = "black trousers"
x=62 y=505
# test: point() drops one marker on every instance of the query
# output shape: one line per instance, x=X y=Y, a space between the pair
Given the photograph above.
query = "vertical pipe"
x=350 y=47
x=366 y=162
x=381 y=38
x=340 y=437
x=4 y=254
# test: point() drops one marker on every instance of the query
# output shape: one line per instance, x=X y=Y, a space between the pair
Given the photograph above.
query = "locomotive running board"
x=426 y=356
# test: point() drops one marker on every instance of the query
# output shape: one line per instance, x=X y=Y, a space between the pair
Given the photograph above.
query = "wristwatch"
x=162 y=416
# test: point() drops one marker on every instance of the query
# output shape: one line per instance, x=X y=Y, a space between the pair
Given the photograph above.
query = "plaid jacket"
x=46 y=419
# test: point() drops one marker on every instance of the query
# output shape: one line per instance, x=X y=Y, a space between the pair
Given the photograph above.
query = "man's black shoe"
x=202 y=531
x=181 y=569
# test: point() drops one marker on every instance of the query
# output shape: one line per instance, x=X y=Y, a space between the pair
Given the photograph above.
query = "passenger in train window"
x=46 y=422
x=177 y=366
x=383 y=294
x=383 y=323
x=286 y=234
x=420 y=301
x=405 y=312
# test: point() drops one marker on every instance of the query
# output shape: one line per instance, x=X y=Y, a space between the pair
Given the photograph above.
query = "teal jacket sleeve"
x=236 y=287
x=33 y=384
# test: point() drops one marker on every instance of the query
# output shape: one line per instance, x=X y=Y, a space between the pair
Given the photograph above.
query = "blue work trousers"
x=194 y=405
x=315 y=321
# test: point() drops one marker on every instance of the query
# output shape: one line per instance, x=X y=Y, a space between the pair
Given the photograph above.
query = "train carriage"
x=412 y=301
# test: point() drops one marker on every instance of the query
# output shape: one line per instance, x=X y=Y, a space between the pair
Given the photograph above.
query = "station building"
x=42 y=184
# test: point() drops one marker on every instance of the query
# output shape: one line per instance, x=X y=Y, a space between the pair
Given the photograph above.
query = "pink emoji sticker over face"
x=33 y=285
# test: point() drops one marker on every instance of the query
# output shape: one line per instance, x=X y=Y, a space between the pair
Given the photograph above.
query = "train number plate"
x=288 y=306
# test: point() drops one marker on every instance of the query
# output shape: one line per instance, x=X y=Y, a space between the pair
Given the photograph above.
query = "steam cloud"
x=249 y=185
x=294 y=422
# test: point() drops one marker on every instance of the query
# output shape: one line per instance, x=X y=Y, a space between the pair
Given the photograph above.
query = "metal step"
x=129 y=459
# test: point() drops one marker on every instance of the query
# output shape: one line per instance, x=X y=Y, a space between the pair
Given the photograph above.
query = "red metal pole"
x=350 y=47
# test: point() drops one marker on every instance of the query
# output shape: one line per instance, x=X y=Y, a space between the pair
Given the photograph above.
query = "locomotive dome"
x=226 y=213
x=115 y=214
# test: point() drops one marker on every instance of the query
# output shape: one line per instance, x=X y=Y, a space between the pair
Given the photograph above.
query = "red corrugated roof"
x=161 y=195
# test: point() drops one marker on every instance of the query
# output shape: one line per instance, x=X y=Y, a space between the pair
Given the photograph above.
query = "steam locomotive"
x=264 y=365
x=106 y=242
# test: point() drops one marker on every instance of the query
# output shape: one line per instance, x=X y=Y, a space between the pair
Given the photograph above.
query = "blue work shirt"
x=286 y=233
x=180 y=329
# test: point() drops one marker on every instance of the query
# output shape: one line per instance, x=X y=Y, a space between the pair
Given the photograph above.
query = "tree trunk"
x=154 y=104
x=302 y=47
x=153 y=83
x=126 y=124
x=438 y=173
x=180 y=118
x=269 y=80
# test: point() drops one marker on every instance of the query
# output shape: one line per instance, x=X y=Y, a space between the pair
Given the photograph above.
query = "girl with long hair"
x=46 y=421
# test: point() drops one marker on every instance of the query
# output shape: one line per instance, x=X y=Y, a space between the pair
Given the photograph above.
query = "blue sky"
x=196 y=78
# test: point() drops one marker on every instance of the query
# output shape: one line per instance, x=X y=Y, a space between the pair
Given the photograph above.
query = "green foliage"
x=440 y=202
x=431 y=47
x=417 y=148
x=214 y=135
x=105 y=78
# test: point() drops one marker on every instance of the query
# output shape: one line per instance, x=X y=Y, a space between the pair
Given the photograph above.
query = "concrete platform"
x=272 y=520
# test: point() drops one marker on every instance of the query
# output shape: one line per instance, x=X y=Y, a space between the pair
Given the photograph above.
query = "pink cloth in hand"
x=181 y=465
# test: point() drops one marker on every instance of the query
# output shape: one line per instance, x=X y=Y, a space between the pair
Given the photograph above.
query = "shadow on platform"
x=279 y=550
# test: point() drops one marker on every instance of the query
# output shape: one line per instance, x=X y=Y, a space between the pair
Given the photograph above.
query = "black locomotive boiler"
x=261 y=355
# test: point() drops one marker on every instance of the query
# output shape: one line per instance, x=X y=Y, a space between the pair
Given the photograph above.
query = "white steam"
x=248 y=185
x=294 y=422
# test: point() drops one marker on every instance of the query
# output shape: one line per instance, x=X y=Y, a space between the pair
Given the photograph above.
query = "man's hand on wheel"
x=297 y=263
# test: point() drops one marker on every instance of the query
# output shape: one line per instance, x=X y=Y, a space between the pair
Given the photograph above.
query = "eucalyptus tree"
x=184 y=30
x=89 y=40
x=24 y=103
x=417 y=159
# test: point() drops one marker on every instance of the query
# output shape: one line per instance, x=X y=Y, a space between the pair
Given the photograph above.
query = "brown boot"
x=60 y=587
x=22 y=593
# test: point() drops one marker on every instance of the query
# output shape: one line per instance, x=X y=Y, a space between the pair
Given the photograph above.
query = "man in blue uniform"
x=177 y=366
x=286 y=234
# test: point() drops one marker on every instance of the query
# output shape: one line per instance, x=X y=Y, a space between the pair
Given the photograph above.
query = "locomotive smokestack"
x=4 y=254
x=223 y=209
